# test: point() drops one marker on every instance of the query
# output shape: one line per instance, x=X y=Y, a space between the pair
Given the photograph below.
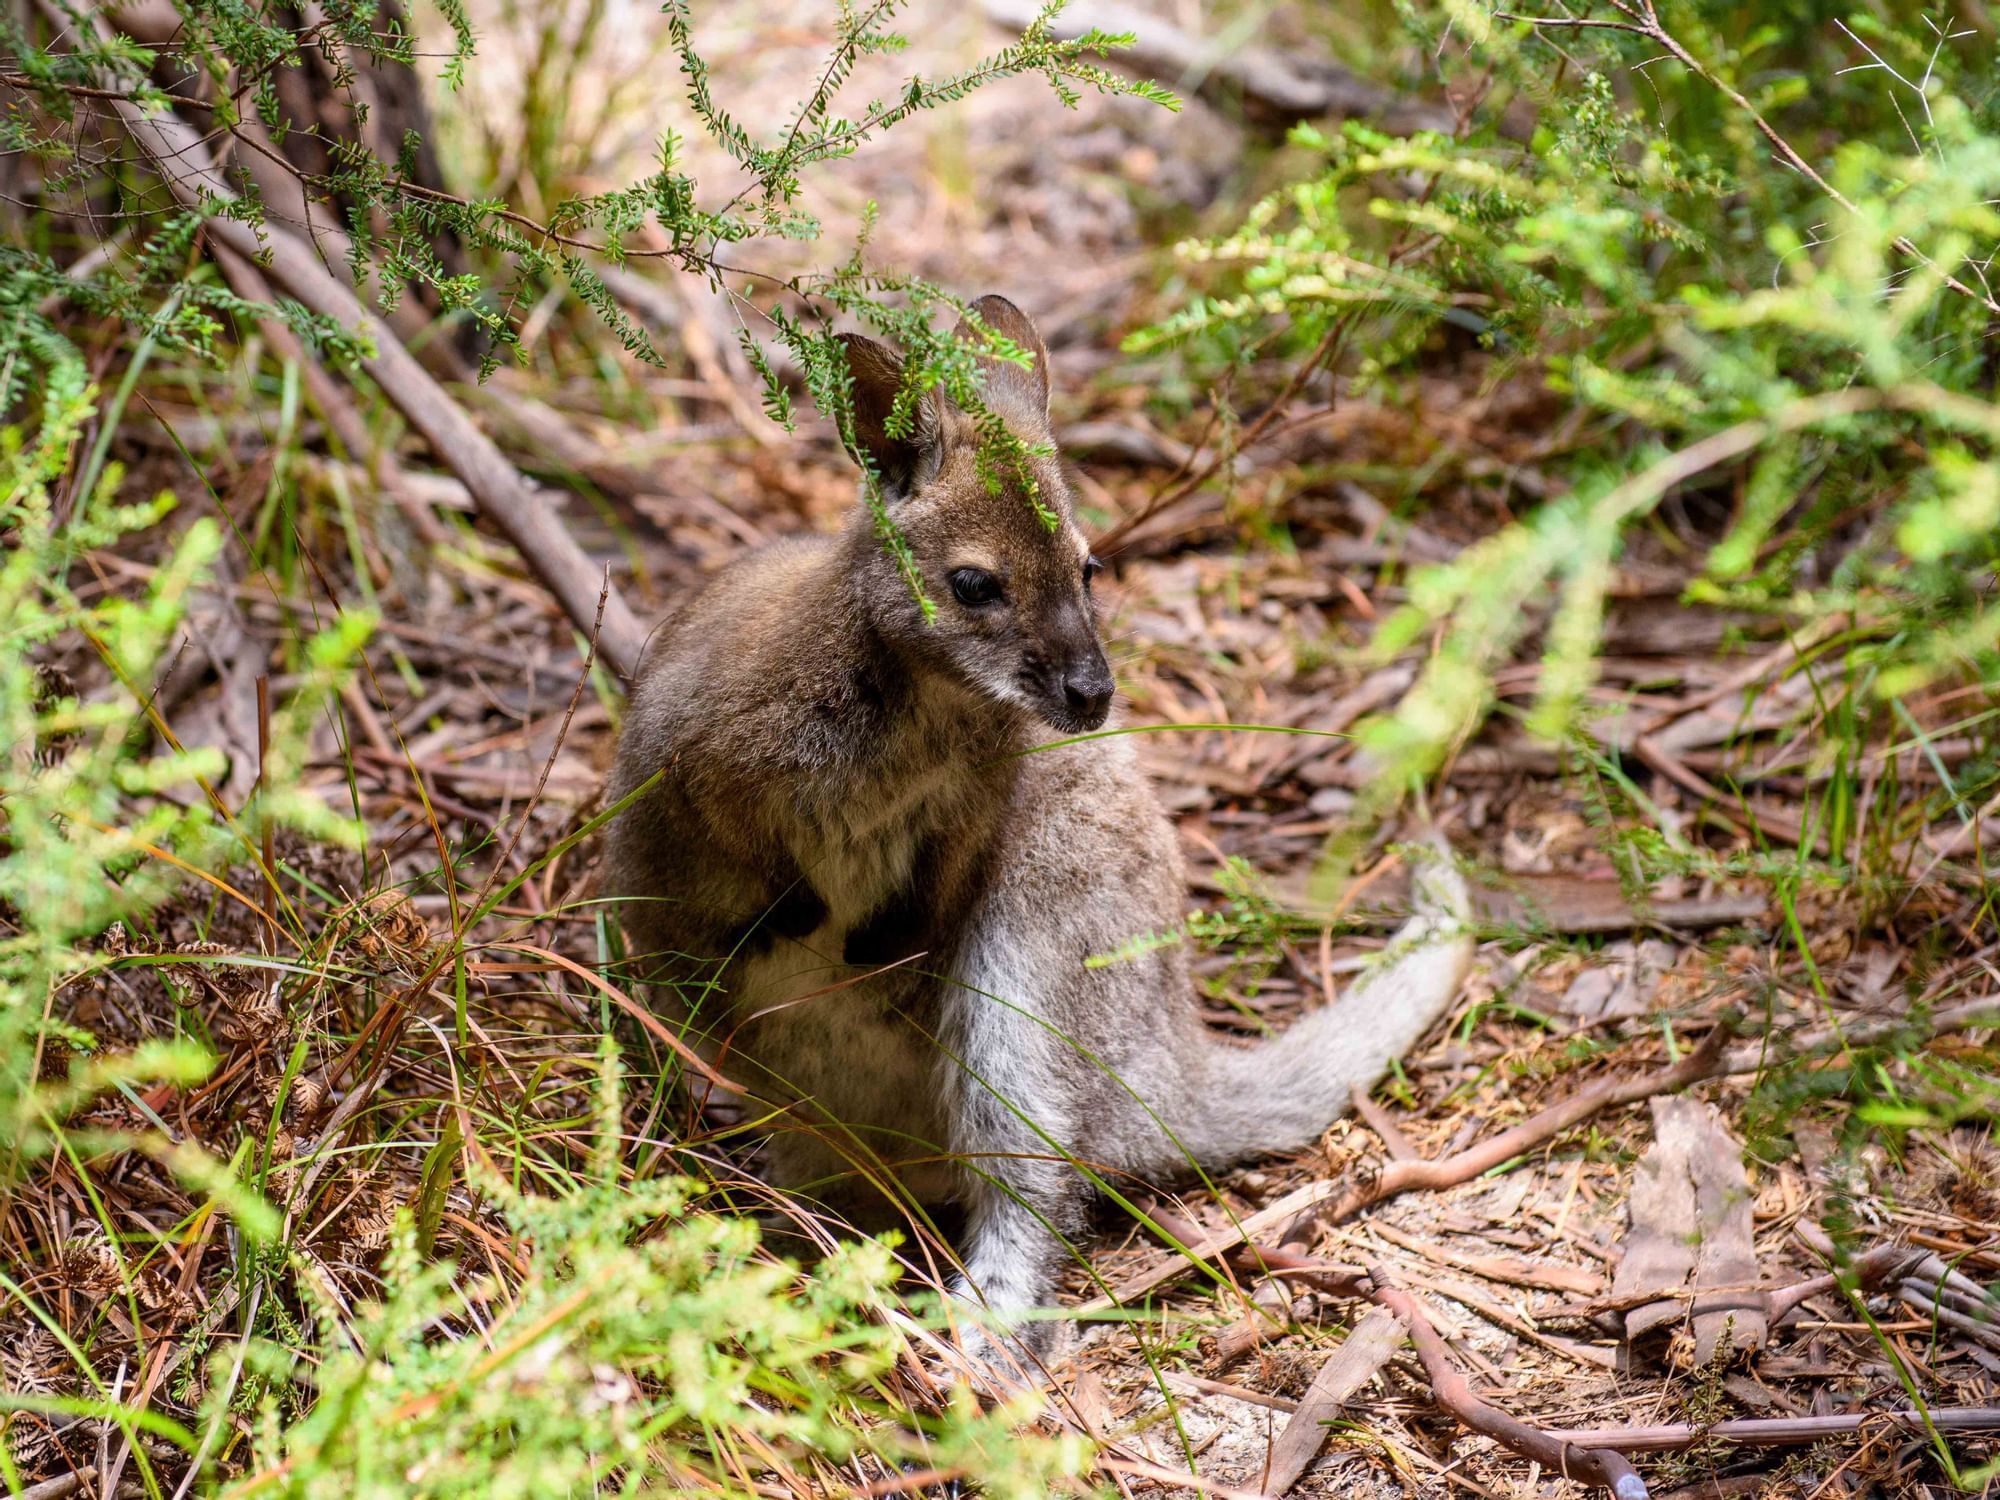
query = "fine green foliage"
x=648 y=1346
x=97 y=828
x=1714 y=308
x=395 y=224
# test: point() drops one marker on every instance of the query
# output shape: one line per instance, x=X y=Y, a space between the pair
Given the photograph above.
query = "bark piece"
x=1366 y=1349
x=1690 y=1210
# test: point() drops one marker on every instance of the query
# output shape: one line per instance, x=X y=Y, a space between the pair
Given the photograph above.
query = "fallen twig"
x=61 y=1486
x=1783 y=1432
x=1398 y=1177
x=1376 y=1118
x=1330 y=1201
x=1753 y=1057
x=1269 y=1298
x=1872 y=1271
x=1565 y=1453
x=1205 y=1244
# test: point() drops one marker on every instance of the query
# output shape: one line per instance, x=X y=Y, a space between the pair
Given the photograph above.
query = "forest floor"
x=1243 y=604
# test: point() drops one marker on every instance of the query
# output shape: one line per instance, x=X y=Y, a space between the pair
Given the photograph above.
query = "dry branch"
x=1784 y=1432
x=1205 y=1244
x=1742 y=1432
x=181 y=158
x=1880 y=1267
x=1449 y=1386
x=1595 y=1455
x=1561 y=1452
x=341 y=416
x=1399 y=1177
x=1970 y=1015
x=1270 y=1297
x=62 y=1486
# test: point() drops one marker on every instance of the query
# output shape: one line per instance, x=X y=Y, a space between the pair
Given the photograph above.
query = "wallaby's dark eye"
x=1091 y=568
x=973 y=587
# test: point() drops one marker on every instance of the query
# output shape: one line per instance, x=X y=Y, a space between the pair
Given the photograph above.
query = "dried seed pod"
x=245 y=996
x=385 y=933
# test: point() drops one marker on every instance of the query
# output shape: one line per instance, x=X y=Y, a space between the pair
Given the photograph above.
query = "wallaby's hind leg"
x=1010 y=1091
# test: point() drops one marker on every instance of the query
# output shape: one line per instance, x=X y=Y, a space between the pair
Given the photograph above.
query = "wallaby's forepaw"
x=996 y=1356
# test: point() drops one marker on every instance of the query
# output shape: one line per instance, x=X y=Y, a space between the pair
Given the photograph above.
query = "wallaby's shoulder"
x=749 y=611
x=1085 y=820
x=748 y=677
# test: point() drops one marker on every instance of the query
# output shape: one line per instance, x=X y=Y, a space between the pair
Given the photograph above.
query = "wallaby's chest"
x=850 y=994
x=899 y=839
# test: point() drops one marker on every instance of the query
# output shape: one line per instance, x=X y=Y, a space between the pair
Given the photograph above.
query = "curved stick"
x=1599 y=1466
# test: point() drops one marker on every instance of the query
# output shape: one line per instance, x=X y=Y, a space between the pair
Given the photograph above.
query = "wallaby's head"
x=1014 y=618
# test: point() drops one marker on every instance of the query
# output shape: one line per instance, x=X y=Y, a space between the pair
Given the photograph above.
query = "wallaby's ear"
x=903 y=464
x=1020 y=396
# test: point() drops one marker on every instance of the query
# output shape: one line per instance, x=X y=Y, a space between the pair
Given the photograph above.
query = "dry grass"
x=441 y=999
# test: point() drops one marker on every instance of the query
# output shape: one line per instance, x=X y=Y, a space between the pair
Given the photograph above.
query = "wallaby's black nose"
x=1088 y=691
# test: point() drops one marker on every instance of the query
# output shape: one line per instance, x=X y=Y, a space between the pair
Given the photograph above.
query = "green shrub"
x=1716 y=306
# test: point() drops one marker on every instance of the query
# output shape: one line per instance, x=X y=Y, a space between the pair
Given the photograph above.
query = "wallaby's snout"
x=1085 y=689
x=1064 y=677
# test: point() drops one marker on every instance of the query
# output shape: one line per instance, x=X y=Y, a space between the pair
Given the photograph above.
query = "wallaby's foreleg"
x=1014 y=1247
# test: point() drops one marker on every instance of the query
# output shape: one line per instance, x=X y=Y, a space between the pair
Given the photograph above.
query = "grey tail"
x=1279 y=1095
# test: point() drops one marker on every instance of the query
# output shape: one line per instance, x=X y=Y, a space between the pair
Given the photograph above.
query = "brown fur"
x=842 y=789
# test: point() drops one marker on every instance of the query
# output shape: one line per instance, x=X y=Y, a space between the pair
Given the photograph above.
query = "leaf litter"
x=1565 y=1282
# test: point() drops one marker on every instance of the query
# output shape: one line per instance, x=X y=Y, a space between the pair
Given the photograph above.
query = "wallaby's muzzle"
x=1077 y=698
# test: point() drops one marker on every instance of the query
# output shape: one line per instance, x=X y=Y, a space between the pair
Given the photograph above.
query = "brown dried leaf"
x=88 y=1265
x=1690 y=1207
x=245 y=996
x=32 y=1360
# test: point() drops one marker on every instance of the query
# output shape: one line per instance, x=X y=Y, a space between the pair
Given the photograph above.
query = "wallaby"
x=843 y=787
